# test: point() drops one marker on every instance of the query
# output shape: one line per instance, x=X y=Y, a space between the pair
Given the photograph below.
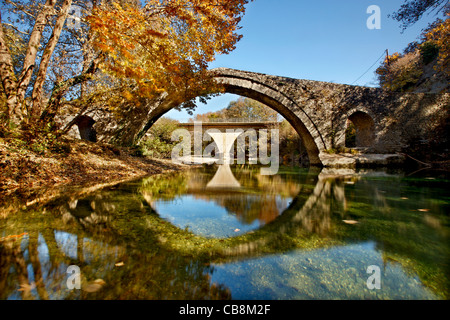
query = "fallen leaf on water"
x=119 y=264
x=237 y=230
x=350 y=221
x=94 y=286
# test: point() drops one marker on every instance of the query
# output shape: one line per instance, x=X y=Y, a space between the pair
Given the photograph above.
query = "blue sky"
x=325 y=40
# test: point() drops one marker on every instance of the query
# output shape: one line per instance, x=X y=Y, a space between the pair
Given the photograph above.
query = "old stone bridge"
x=386 y=122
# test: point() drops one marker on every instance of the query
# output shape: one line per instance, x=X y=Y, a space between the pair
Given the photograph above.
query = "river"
x=203 y=234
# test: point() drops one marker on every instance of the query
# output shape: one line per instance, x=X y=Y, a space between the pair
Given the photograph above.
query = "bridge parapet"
x=191 y=126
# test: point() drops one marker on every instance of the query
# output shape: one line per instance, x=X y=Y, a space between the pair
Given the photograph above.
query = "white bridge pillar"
x=224 y=178
x=224 y=142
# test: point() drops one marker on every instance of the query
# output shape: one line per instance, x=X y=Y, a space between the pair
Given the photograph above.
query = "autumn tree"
x=132 y=50
x=207 y=117
x=242 y=108
x=402 y=71
x=166 y=46
x=292 y=150
x=436 y=43
x=251 y=110
x=158 y=141
x=29 y=85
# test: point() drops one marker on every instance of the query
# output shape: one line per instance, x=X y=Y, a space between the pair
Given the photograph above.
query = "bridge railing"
x=234 y=120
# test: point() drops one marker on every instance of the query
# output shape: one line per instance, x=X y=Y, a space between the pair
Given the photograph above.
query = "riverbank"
x=28 y=177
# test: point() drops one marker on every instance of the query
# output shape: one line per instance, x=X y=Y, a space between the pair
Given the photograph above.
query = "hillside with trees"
x=424 y=64
x=423 y=67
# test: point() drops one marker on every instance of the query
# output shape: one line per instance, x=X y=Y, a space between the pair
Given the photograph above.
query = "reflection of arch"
x=86 y=127
x=308 y=213
x=243 y=85
x=365 y=129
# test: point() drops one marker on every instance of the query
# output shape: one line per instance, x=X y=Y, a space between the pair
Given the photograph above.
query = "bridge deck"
x=231 y=125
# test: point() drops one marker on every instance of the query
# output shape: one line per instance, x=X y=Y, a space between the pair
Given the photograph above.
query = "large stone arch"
x=240 y=83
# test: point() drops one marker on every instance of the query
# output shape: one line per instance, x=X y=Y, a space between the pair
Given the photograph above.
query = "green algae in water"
x=329 y=274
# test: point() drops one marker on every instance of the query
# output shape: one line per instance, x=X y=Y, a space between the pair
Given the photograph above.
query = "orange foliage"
x=401 y=72
x=166 y=45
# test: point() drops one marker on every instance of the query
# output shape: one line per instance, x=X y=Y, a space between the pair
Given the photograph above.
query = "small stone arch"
x=364 y=127
x=85 y=126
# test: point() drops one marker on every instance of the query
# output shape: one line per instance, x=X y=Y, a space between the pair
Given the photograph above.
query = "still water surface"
x=302 y=234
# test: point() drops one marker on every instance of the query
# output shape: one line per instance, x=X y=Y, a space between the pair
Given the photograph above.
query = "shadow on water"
x=301 y=234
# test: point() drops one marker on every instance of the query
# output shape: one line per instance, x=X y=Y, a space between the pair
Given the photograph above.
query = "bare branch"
x=15 y=28
x=62 y=87
x=20 y=9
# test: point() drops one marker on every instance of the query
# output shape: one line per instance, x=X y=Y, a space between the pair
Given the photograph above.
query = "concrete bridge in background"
x=386 y=122
x=231 y=124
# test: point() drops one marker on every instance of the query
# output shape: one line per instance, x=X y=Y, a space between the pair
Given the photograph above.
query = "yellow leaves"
x=166 y=45
x=127 y=95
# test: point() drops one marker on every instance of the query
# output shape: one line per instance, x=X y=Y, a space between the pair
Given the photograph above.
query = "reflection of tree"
x=263 y=208
x=262 y=198
x=316 y=214
x=249 y=208
x=164 y=187
x=12 y=257
x=34 y=259
x=100 y=231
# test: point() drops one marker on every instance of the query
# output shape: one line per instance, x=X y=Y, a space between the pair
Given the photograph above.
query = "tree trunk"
x=14 y=88
x=45 y=60
x=53 y=105
x=31 y=53
x=8 y=78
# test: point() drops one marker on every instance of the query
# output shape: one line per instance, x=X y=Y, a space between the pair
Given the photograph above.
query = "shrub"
x=429 y=51
x=158 y=143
